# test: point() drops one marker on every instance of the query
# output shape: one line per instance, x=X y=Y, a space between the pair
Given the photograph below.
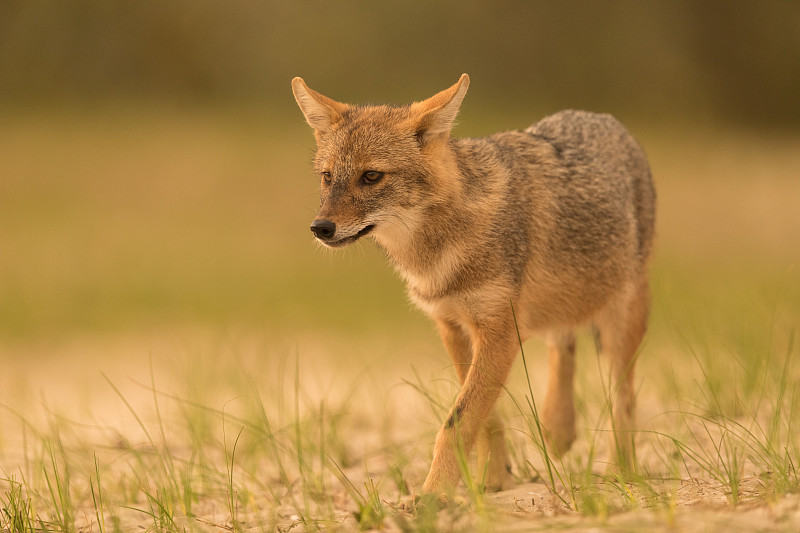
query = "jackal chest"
x=464 y=303
x=451 y=306
x=436 y=275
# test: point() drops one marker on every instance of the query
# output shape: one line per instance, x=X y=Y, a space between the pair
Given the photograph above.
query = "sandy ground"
x=42 y=385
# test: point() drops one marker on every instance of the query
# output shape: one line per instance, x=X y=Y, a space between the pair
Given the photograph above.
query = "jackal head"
x=380 y=167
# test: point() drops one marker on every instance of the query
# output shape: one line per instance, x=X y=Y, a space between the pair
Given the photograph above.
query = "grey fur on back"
x=597 y=146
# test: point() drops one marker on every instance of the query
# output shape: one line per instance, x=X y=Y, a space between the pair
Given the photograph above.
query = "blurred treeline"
x=737 y=62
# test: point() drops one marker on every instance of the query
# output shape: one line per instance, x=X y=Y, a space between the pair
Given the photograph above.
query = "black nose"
x=323 y=229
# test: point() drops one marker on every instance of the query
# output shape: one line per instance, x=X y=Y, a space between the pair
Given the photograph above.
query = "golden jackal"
x=554 y=223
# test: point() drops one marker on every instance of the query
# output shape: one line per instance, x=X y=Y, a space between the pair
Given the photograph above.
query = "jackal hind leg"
x=558 y=414
x=482 y=365
x=620 y=329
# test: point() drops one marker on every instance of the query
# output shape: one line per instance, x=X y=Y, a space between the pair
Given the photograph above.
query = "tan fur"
x=556 y=220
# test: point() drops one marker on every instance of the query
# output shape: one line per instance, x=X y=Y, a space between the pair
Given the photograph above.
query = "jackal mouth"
x=352 y=238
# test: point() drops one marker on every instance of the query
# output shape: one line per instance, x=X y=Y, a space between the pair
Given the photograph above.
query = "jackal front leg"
x=493 y=351
x=491 y=443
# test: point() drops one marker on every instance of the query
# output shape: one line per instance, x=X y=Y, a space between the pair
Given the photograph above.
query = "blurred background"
x=155 y=171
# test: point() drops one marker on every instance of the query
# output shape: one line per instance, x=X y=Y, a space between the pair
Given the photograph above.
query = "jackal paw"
x=559 y=429
x=499 y=478
x=558 y=421
x=425 y=502
x=623 y=455
x=559 y=438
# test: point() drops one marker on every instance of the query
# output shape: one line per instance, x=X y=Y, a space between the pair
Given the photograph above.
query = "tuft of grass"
x=58 y=485
x=370 y=512
x=233 y=501
x=96 y=488
x=16 y=512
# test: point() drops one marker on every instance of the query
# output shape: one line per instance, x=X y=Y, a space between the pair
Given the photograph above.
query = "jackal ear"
x=437 y=114
x=321 y=112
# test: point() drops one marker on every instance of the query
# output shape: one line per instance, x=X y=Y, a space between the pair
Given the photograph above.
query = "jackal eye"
x=326 y=176
x=371 y=176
